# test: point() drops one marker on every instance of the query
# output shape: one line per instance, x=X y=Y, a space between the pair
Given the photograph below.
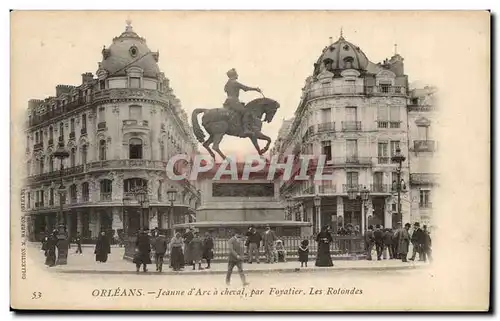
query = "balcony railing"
x=101 y=125
x=358 y=160
x=326 y=127
x=383 y=159
x=349 y=187
x=327 y=189
x=38 y=146
x=351 y=125
x=355 y=90
x=420 y=108
x=385 y=90
x=424 y=145
x=380 y=188
x=60 y=110
x=106 y=197
x=394 y=124
x=56 y=174
x=388 y=124
x=126 y=163
x=135 y=123
x=425 y=205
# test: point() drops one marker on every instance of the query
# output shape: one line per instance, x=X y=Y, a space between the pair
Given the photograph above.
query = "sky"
x=272 y=50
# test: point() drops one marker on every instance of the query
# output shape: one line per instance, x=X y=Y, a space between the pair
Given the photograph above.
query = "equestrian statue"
x=235 y=118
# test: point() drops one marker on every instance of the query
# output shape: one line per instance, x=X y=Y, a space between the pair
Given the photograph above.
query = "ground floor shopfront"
x=114 y=220
x=340 y=211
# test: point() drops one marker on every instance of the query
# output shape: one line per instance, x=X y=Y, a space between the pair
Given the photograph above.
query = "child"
x=280 y=251
x=303 y=253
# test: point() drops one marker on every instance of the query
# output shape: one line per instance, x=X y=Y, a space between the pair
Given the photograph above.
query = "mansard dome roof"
x=129 y=50
x=341 y=55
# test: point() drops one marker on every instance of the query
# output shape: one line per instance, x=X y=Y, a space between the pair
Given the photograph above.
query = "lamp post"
x=171 y=195
x=62 y=243
x=365 y=195
x=317 y=204
x=399 y=186
x=143 y=199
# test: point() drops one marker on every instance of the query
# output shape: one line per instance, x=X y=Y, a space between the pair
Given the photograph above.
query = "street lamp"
x=400 y=186
x=171 y=195
x=317 y=203
x=143 y=199
x=365 y=195
x=62 y=244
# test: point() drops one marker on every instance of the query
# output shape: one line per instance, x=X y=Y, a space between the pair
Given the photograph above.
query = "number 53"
x=36 y=295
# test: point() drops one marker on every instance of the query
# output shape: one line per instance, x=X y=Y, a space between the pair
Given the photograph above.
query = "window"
x=160 y=191
x=102 y=149
x=423 y=132
x=101 y=115
x=384 y=87
x=394 y=179
x=84 y=154
x=29 y=199
x=383 y=153
x=395 y=113
x=135 y=82
x=51 y=163
x=132 y=184
x=106 y=189
x=326 y=149
x=72 y=125
x=102 y=85
x=383 y=113
x=84 y=121
x=61 y=130
x=51 y=196
x=36 y=138
x=135 y=148
x=351 y=114
x=42 y=198
x=42 y=165
x=394 y=146
x=378 y=178
x=326 y=115
x=135 y=112
x=28 y=141
x=352 y=179
x=85 y=192
x=28 y=168
x=162 y=151
x=73 y=157
x=72 y=193
x=51 y=132
x=425 y=201
x=351 y=148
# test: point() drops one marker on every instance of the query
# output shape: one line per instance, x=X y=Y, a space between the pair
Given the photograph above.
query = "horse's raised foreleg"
x=260 y=135
x=207 y=143
x=217 y=138
x=255 y=143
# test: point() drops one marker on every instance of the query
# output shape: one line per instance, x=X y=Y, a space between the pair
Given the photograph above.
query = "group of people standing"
x=187 y=249
x=395 y=244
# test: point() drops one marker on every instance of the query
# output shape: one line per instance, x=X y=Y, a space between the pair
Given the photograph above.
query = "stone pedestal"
x=62 y=246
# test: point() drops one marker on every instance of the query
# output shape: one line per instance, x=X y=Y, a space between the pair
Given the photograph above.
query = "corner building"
x=353 y=111
x=120 y=127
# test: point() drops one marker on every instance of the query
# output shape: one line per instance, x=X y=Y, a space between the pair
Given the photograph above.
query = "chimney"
x=87 y=77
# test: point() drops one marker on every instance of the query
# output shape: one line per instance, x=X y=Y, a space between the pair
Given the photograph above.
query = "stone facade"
x=120 y=128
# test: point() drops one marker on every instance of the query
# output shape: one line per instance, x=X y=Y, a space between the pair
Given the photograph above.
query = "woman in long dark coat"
x=102 y=248
x=50 y=249
x=142 y=251
x=208 y=248
x=196 y=251
x=324 y=240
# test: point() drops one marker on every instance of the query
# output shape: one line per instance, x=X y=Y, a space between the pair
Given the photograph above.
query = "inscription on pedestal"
x=243 y=190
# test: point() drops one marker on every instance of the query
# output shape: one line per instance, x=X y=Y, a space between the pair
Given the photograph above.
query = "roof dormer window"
x=133 y=51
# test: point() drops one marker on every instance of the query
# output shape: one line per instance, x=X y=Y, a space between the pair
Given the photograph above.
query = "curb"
x=282 y=270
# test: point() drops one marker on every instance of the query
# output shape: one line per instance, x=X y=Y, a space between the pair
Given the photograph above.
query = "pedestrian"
x=395 y=241
x=378 y=238
x=160 y=246
x=427 y=246
x=247 y=240
x=280 y=251
x=369 y=241
x=303 y=253
x=142 y=251
x=324 y=239
x=417 y=240
x=50 y=249
x=269 y=238
x=388 y=248
x=208 y=248
x=404 y=242
x=78 y=241
x=236 y=252
x=254 y=239
x=102 y=248
x=188 y=236
x=176 y=254
x=196 y=251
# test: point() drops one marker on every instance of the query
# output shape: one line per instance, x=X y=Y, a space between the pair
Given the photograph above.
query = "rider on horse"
x=232 y=88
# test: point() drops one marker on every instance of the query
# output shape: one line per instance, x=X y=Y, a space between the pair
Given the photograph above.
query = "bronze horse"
x=221 y=121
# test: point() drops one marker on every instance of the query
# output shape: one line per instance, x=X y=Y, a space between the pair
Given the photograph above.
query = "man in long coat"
x=404 y=242
x=268 y=239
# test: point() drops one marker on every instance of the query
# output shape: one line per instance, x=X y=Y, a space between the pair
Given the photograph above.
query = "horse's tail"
x=198 y=132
